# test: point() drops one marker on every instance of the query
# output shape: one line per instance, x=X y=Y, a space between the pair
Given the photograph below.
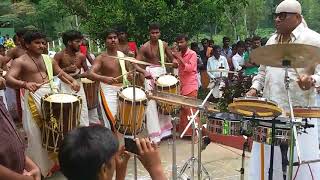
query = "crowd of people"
x=92 y=151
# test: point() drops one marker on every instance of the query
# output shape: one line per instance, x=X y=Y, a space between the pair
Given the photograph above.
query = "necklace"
x=38 y=68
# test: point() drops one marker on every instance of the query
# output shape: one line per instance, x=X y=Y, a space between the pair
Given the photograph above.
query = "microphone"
x=205 y=142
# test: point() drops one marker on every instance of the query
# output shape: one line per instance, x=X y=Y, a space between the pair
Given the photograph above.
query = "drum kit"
x=250 y=116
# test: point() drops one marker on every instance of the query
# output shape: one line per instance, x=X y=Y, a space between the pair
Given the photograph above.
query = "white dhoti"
x=2 y=94
x=35 y=150
x=110 y=94
x=309 y=151
x=158 y=125
x=65 y=88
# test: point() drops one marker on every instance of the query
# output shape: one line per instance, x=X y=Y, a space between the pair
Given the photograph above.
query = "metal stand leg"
x=243 y=157
x=174 y=157
x=193 y=160
x=273 y=134
x=284 y=152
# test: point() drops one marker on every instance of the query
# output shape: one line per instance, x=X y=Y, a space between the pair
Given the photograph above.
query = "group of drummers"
x=106 y=92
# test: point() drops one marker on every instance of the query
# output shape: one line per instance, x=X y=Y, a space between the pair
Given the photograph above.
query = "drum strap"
x=34 y=111
x=161 y=50
x=48 y=63
x=123 y=69
x=107 y=111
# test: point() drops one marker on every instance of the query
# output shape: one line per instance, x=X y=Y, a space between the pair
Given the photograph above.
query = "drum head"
x=255 y=99
x=167 y=80
x=225 y=116
x=61 y=98
x=127 y=93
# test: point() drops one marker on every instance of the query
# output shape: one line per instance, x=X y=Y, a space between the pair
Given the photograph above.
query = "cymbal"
x=299 y=55
x=133 y=60
x=223 y=71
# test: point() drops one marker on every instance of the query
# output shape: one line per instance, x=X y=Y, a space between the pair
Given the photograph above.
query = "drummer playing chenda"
x=155 y=51
x=34 y=72
x=291 y=28
x=72 y=61
x=112 y=74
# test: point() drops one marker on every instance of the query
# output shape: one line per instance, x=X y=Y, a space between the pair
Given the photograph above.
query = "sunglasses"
x=282 y=16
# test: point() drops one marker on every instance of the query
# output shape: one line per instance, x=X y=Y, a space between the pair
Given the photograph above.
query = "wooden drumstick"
x=118 y=77
x=295 y=69
x=45 y=82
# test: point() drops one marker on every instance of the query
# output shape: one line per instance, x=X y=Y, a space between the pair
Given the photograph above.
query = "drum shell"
x=92 y=94
x=124 y=122
x=59 y=119
x=263 y=135
x=224 y=127
x=163 y=107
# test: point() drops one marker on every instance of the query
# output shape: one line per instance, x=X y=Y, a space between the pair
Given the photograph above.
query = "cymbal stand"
x=273 y=136
x=193 y=117
x=243 y=157
x=191 y=161
x=174 y=120
x=134 y=121
x=286 y=64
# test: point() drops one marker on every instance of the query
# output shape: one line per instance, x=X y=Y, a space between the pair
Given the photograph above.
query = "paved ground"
x=221 y=162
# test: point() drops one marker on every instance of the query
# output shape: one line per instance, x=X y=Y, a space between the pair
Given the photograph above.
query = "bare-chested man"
x=155 y=51
x=14 y=99
x=72 y=61
x=106 y=70
x=32 y=71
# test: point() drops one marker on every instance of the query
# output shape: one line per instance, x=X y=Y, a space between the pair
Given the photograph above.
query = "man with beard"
x=31 y=72
x=154 y=51
x=71 y=61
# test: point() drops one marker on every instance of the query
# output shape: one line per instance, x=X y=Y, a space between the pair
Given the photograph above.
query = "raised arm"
x=140 y=57
x=168 y=52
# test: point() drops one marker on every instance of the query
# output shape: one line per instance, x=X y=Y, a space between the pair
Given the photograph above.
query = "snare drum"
x=91 y=89
x=224 y=124
x=167 y=83
x=125 y=118
x=263 y=132
x=61 y=114
x=306 y=112
x=255 y=106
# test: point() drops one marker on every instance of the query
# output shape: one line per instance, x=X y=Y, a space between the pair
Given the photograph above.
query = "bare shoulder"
x=21 y=60
x=58 y=55
x=81 y=56
x=165 y=44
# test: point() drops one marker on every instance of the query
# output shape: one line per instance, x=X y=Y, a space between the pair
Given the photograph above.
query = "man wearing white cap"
x=291 y=28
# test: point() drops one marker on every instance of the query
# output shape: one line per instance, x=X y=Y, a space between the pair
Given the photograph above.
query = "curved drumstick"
x=118 y=77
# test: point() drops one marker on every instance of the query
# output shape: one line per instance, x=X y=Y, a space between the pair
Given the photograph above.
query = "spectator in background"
x=1 y=39
x=195 y=48
x=226 y=49
x=233 y=52
x=248 y=44
x=203 y=53
x=210 y=47
x=251 y=67
x=86 y=44
x=217 y=61
x=16 y=41
x=237 y=59
x=84 y=50
x=2 y=50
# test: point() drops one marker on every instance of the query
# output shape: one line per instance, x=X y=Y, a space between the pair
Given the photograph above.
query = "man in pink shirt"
x=187 y=60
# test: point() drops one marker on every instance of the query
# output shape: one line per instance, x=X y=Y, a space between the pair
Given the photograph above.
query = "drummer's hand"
x=252 y=92
x=32 y=86
x=175 y=63
x=305 y=82
x=110 y=80
x=75 y=86
x=84 y=75
x=147 y=75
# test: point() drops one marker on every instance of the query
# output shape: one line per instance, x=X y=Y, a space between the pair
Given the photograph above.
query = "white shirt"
x=237 y=62
x=214 y=64
x=272 y=79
